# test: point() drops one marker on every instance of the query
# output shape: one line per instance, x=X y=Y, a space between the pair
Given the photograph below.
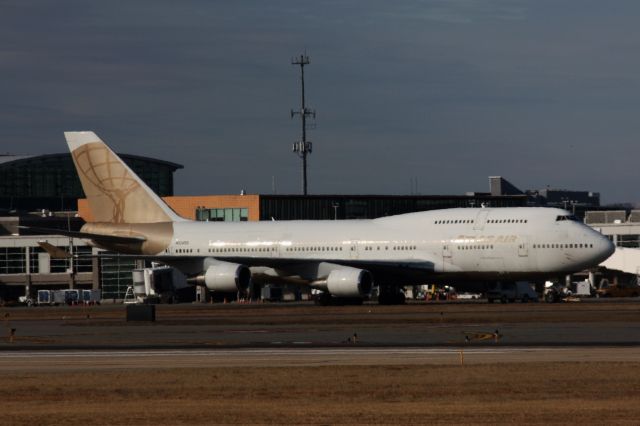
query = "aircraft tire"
x=323 y=299
x=392 y=298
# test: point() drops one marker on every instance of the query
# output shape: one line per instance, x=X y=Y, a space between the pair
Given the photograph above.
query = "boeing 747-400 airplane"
x=342 y=258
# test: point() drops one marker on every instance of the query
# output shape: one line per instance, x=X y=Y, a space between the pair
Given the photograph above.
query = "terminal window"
x=629 y=241
x=12 y=260
x=223 y=215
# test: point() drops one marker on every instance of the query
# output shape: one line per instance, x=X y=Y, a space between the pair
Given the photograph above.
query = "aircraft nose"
x=605 y=248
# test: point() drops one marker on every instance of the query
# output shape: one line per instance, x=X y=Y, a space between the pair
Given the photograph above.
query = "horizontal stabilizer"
x=54 y=252
x=86 y=235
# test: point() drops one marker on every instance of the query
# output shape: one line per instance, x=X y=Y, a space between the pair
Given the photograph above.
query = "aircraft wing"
x=383 y=271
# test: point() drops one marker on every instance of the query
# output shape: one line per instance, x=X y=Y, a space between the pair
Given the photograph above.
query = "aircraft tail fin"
x=114 y=192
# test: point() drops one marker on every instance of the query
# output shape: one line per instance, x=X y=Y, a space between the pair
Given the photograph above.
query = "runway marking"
x=100 y=360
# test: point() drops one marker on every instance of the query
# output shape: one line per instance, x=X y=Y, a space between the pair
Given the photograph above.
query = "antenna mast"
x=303 y=147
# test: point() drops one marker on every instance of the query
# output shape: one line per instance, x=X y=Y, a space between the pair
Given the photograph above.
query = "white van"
x=511 y=291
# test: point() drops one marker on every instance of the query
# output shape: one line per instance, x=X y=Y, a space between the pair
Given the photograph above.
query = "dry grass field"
x=510 y=393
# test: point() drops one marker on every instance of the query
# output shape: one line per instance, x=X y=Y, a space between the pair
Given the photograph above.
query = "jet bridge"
x=625 y=260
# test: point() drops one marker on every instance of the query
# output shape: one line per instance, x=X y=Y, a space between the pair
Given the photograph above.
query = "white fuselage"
x=465 y=241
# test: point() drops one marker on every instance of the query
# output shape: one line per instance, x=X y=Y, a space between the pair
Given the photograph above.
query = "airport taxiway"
x=305 y=325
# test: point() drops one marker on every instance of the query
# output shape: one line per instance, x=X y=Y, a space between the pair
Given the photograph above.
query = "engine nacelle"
x=226 y=277
x=349 y=282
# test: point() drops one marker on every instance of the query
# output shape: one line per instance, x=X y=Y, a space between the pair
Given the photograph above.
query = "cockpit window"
x=567 y=217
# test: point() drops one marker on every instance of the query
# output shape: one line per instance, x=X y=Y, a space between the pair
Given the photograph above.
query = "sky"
x=442 y=92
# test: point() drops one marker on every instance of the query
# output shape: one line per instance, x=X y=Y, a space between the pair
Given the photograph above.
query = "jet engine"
x=349 y=282
x=226 y=277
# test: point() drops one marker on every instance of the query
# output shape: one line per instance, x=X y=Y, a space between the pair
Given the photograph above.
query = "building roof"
x=394 y=196
x=10 y=158
x=7 y=158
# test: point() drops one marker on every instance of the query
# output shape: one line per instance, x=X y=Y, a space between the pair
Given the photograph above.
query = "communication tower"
x=303 y=147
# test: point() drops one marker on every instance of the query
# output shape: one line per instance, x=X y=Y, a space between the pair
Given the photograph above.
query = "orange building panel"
x=186 y=206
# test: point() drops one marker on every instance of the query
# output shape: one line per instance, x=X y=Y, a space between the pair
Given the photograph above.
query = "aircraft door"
x=523 y=247
x=481 y=219
x=446 y=255
x=353 y=250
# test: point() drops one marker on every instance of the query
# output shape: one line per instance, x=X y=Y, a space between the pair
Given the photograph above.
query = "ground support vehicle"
x=618 y=289
x=511 y=291
x=556 y=293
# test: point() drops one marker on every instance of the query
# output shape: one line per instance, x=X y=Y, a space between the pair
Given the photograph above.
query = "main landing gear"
x=325 y=299
x=391 y=296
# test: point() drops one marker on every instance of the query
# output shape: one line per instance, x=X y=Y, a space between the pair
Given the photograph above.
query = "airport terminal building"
x=43 y=191
x=253 y=207
x=50 y=182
